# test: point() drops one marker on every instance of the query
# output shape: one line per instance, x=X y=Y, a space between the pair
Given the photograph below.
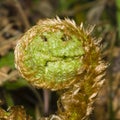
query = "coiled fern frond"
x=58 y=55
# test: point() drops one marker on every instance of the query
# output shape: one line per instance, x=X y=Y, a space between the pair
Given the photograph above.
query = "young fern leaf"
x=59 y=55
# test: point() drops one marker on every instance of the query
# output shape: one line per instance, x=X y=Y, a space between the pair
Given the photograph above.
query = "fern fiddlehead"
x=59 y=55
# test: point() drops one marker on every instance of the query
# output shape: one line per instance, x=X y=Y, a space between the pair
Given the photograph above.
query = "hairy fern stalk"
x=59 y=55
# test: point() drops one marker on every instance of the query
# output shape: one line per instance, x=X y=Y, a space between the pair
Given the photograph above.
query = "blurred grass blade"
x=118 y=18
x=7 y=60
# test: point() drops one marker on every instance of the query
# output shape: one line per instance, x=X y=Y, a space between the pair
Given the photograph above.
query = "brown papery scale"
x=57 y=54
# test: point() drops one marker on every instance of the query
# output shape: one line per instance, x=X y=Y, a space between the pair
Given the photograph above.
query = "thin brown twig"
x=10 y=40
x=6 y=28
x=6 y=45
x=8 y=77
x=3 y=74
x=22 y=13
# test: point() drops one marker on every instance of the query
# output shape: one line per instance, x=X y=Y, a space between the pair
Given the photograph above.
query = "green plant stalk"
x=9 y=99
x=118 y=19
x=111 y=111
x=110 y=106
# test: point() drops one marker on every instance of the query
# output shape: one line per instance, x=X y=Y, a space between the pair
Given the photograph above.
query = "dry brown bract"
x=14 y=113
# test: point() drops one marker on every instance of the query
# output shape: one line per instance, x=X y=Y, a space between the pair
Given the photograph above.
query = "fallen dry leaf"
x=5 y=75
x=14 y=113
